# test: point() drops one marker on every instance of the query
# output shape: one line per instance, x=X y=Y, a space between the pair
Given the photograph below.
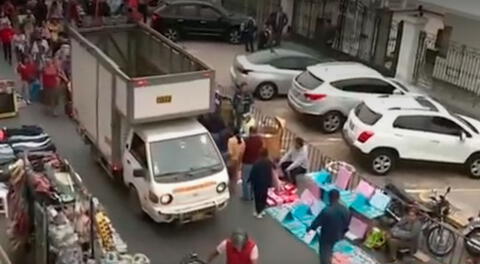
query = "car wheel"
x=473 y=166
x=266 y=91
x=172 y=34
x=382 y=161
x=331 y=122
x=234 y=36
x=134 y=201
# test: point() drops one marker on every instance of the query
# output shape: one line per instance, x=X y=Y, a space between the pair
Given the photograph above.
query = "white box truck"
x=135 y=98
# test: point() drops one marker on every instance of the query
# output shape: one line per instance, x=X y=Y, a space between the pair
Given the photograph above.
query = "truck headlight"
x=221 y=187
x=166 y=199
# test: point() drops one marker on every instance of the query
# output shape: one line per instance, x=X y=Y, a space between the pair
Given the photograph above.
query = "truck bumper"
x=189 y=213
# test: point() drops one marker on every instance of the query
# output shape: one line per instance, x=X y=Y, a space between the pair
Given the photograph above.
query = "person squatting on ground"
x=404 y=235
x=295 y=161
x=334 y=220
x=253 y=148
x=261 y=178
x=239 y=249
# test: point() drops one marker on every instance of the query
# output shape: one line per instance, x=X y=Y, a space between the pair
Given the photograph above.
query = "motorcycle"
x=439 y=238
x=472 y=236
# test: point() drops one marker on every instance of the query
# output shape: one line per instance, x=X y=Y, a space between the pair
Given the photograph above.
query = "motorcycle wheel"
x=440 y=240
x=472 y=243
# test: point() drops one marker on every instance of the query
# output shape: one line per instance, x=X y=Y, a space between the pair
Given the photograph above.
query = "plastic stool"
x=3 y=199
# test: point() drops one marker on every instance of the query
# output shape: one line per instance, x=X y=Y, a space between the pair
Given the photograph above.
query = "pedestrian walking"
x=9 y=10
x=253 y=148
x=52 y=77
x=295 y=161
x=6 y=36
x=277 y=21
x=236 y=150
x=27 y=70
x=28 y=24
x=261 y=178
x=239 y=249
x=40 y=12
x=20 y=42
x=248 y=31
x=334 y=220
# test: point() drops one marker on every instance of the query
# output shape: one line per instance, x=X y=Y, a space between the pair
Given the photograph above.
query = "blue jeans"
x=247 y=193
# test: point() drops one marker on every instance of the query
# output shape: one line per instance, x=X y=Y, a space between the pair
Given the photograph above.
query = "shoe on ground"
x=260 y=216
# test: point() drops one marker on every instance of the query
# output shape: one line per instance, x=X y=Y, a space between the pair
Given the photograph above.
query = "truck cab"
x=174 y=171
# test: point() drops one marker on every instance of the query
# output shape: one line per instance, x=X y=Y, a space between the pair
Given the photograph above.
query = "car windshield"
x=367 y=115
x=308 y=80
x=465 y=122
x=187 y=156
x=400 y=84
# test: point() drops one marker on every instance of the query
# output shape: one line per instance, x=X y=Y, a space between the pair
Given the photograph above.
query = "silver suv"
x=331 y=90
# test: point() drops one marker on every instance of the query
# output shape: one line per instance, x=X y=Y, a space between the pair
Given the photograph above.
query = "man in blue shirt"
x=334 y=220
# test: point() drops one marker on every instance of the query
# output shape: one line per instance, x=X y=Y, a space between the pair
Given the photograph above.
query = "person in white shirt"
x=295 y=161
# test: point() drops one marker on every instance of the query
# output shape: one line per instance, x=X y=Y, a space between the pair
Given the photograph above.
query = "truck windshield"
x=193 y=156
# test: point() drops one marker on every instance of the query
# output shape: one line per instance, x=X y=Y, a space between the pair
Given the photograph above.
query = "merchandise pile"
x=48 y=201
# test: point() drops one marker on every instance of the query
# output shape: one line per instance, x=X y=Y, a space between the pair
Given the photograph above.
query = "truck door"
x=135 y=165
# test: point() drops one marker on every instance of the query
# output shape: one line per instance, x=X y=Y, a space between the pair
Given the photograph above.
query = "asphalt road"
x=413 y=175
x=164 y=244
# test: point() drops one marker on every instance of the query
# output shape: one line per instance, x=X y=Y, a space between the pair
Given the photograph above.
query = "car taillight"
x=364 y=136
x=314 y=97
x=153 y=197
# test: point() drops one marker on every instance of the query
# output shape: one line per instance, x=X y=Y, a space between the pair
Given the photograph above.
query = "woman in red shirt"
x=6 y=35
x=28 y=73
x=52 y=77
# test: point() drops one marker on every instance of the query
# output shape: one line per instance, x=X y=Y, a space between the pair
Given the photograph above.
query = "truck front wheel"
x=134 y=200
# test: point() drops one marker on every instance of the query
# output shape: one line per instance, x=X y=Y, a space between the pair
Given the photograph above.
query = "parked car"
x=390 y=128
x=270 y=72
x=182 y=18
x=331 y=90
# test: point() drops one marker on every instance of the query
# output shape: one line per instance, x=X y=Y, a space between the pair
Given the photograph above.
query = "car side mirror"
x=463 y=136
x=139 y=173
x=398 y=92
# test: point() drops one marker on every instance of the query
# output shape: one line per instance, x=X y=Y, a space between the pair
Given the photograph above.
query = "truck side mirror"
x=139 y=173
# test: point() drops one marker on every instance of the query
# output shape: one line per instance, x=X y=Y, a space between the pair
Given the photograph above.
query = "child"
x=28 y=73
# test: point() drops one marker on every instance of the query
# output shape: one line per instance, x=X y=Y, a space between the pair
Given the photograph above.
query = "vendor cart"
x=8 y=99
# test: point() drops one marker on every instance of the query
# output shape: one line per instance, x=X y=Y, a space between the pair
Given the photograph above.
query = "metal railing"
x=4 y=259
x=318 y=160
x=460 y=67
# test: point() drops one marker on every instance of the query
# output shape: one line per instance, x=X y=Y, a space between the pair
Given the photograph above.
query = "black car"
x=181 y=18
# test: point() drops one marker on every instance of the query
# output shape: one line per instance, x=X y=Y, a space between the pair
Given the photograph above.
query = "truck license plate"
x=164 y=99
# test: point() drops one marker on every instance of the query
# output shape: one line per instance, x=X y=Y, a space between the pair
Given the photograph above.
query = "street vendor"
x=404 y=235
x=239 y=249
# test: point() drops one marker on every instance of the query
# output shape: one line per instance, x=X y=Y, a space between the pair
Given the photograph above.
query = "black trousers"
x=260 y=197
x=7 y=52
x=143 y=9
x=292 y=175
x=326 y=253
x=248 y=39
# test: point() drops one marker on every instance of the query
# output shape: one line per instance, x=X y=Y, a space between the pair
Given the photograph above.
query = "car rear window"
x=367 y=115
x=308 y=80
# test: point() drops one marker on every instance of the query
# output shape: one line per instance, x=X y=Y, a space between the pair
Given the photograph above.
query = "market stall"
x=8 y=100
x=50 y=210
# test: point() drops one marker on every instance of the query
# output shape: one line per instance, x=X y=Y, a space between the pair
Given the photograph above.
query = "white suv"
x=389 y=128
x=330 y=90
